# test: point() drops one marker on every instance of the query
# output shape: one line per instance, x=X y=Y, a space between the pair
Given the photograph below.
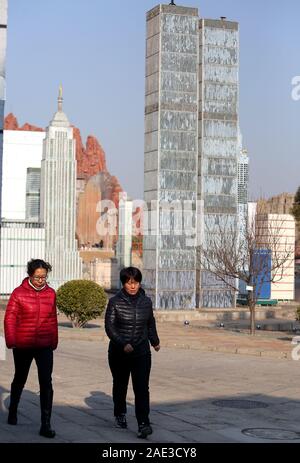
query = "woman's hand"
x=128 y=348
x=156 y=348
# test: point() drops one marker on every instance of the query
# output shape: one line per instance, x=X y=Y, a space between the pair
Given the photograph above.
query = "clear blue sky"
x=96 y=49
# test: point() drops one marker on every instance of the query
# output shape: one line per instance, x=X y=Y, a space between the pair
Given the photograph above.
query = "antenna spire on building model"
x=60 y=98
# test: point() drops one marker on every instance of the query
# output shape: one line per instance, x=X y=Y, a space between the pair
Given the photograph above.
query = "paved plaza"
x=188 y=381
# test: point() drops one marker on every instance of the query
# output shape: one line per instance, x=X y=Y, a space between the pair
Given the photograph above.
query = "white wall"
x=252 y=209
x=277 y=232
x=21 y=149
x=284 y=288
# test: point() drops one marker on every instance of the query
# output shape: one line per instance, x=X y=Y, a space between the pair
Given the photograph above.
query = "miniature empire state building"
x=58 y=199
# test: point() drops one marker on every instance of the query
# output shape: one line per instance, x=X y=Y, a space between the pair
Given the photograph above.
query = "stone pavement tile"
x=6 y=433
x=97 y=393
x=23 y=433
x=287 y=404
x=98 y=409
x=161 y=418
x=232 y=433
x=76 y=416
x=172 y=424
x=240 y=417
x=213 y=424
x=291 y=416
x=286 y=393
x=268 y=399
x=286 y=423
x=72 y=432
x=26 y=415
x=112 y=434
x=236 y=434
x=164 y=435
x=59 y=417
x=190 y=420
x=94 y=415
x=205 y=436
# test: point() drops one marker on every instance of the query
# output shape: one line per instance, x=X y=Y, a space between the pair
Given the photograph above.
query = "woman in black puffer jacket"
x=130 y=325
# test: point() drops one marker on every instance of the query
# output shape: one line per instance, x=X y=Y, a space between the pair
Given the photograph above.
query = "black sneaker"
x=144 y=430
x=120 y=421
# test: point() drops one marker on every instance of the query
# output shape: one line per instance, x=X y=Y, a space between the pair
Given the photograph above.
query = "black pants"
x=121 y=366
x=23 y=359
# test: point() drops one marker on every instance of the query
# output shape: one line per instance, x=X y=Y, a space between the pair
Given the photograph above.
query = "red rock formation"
x=87 y=215
x=116 y=189
x=31 y=128
x=80 y=153
x=11 y=123
x=99 y=184
x=100 y=187
x=95 y=156
x=90 y=160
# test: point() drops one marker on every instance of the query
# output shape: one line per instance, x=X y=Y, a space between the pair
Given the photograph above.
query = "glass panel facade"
x=218 y=143
x=174 y=152
x=33 y=185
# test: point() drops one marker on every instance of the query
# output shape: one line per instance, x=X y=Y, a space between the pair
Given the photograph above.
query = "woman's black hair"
x=130 y=272
x=34 y=264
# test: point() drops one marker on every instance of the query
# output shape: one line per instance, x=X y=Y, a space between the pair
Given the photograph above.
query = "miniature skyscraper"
x=191 y=149
x=58 y=199
x=218 y=143
x=171 y=153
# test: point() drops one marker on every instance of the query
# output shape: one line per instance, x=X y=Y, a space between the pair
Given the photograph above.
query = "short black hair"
x=34 y=264
x=130 y=272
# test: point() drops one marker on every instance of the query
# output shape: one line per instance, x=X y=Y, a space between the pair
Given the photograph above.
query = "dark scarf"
x=132 y=298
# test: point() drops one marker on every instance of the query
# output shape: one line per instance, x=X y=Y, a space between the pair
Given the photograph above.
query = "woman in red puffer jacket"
x=30 y=326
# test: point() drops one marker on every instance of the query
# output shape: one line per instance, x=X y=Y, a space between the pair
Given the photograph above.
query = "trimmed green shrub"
x=81 y=301
x=298 y=313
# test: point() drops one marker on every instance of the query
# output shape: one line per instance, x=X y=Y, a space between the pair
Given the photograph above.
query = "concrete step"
x=210 y=315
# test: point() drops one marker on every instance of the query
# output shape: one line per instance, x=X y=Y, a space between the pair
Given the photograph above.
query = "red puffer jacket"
x=30 y=318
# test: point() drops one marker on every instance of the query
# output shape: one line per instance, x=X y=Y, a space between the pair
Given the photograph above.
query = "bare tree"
x=258 y=255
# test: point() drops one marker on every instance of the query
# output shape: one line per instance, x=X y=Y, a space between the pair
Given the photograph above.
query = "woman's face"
x=132 y=286
x=38 y=279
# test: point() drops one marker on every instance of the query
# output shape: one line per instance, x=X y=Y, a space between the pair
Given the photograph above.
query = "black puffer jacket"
x=130 y=322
